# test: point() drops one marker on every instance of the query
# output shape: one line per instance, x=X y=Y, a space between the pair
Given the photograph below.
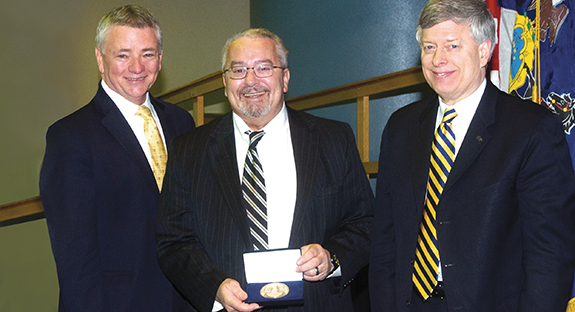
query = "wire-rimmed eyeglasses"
x=260 y=70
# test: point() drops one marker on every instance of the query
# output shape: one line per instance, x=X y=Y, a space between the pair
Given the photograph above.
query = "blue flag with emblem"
x=538 y=47
x=537 y=44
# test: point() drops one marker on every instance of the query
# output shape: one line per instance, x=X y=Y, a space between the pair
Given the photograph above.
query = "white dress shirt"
x=465 y=110
x=275 y=153
x=128 y=110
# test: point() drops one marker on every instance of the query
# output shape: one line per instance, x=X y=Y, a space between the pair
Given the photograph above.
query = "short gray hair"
x=256 y=33
x=128 y=15
x=474 y=12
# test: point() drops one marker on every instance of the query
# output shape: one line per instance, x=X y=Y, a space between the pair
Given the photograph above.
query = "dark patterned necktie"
x=254 y=193
x=427 y=253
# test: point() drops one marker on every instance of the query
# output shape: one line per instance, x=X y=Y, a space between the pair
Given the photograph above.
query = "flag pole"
x=536 y=95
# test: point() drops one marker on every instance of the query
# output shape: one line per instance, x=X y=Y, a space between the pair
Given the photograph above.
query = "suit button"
x=407 y=302
x=412 y=261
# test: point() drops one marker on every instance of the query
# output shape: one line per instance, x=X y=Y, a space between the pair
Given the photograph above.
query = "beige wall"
x=48 y=71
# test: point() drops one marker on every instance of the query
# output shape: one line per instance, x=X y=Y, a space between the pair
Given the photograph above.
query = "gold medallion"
x=274 y=290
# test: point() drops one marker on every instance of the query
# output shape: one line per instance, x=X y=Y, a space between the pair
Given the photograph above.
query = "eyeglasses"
x=260 y=70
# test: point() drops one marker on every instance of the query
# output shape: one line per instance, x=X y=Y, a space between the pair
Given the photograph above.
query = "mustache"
x=253 y=89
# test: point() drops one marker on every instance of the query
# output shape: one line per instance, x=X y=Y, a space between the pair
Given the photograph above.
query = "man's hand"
x=231 y=296
x=314 y=263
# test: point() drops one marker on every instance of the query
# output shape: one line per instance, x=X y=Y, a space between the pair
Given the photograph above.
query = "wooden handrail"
x=21 y=211
x=196 y=91
x=390 y=82
x=31 y=209
x=190 y=90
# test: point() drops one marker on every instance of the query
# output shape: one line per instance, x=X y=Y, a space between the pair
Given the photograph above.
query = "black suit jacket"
x=100 y=198
x=505 y=220
x=202 y=225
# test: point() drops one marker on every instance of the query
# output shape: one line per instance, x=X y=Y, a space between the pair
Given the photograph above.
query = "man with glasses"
x=303 y=187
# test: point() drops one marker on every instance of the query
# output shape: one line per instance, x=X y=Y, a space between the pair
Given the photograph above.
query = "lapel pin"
x=479 y=139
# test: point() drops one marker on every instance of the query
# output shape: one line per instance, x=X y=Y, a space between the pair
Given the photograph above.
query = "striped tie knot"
x=449 y=115
x=255 y=137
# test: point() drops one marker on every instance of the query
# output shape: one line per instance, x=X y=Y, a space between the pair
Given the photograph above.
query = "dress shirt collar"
x=126 y=107
x=465 y=111
x=277 y=124
x=465 y=108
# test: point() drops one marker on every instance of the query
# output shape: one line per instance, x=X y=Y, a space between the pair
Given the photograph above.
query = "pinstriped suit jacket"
x=202 y=230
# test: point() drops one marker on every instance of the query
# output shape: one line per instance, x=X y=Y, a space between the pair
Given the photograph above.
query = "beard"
x=254 y=109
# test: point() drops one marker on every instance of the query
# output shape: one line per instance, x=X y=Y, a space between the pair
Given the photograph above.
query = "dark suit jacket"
x=100 y=198
x=202 y=225
x=505 y=221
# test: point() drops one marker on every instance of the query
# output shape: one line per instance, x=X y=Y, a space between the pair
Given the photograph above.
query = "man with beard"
x=312 y=190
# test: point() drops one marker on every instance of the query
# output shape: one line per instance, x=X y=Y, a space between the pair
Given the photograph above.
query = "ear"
x=100 y=60
x=485 y=52
x=286 y=76
x=160 y=57
x=225 y=86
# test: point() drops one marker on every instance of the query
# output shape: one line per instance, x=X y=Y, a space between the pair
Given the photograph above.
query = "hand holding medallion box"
x=272 y=278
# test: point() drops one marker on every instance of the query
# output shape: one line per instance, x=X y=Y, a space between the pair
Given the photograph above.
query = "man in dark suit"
x=492 y=230
x=317 y=194
x=101 y=177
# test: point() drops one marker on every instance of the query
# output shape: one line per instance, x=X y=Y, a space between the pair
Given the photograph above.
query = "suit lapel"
x=305 y=144
x=222 y=153
x=168 y=126
x=477 y=135
x=119 y=128
x=423 y=134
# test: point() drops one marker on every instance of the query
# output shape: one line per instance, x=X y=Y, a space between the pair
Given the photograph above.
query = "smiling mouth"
x=251 y=95
x=135 y=79
x=441 y=75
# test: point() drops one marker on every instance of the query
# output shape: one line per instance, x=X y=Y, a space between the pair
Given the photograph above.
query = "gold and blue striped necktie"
x=427 y=253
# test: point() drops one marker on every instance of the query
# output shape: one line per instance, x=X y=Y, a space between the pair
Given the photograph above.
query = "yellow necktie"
x=427 y=253
x=157 y=149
